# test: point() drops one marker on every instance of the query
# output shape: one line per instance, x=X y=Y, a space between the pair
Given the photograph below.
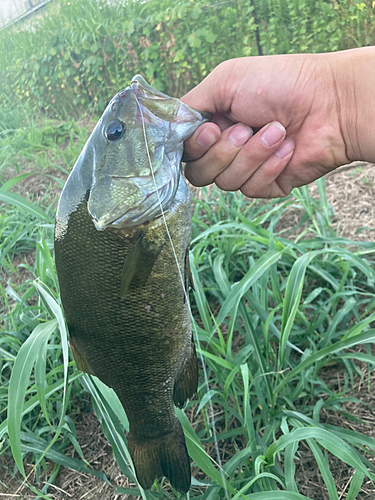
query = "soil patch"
x=351 y=193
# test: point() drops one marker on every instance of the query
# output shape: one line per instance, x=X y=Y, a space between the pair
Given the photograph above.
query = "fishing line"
x=211 y=410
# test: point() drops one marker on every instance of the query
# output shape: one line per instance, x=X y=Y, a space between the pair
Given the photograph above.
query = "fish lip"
x=139 y=84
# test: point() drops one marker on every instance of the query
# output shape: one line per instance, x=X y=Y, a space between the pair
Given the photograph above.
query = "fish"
x=122 y=236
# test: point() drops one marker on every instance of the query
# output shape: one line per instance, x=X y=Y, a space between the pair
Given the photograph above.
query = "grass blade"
x=18 y=201
x=363 y=338
x=231 y=303
x=277 y=495
x=19 y=381
x=355 y=485
x=291 y=302
x=200 y=457
x=326 y=439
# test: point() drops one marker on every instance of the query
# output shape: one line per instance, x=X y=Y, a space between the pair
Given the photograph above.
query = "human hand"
x=312 y=95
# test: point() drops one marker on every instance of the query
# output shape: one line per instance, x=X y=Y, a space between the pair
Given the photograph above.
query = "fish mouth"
x=165 y=107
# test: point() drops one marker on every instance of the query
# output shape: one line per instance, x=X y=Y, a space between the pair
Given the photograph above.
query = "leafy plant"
x=269 y=314
x=272 y=308
x=73 y=59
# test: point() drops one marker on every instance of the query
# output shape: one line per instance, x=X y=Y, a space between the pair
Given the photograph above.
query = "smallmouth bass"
x=123 y=285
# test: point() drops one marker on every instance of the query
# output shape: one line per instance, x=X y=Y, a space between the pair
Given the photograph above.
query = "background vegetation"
x=73 y=60
x=271 y=310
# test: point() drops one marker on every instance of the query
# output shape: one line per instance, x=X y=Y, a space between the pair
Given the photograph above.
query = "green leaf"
x=19 y=380
x=292 y=301
x=40 y=377
x=248 y=418
x=324 y=469
x=210 y=37
x=238 y=290
x=14 y=180
x=111 y=426
x=206 y=398
x=34 y=401
x=363 y=338
x=114 y=402
x=277 y=495
x=195 y=13
x=355 y=485
x=18 y=201
x=200 y=457
x=194 y=41
x=326 y=439
x=38 y=446
x=219 y=361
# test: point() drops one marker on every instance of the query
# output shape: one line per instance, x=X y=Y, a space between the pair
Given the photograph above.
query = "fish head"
x=135 y=154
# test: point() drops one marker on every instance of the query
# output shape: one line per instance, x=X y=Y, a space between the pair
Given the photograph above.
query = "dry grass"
x=351 y=192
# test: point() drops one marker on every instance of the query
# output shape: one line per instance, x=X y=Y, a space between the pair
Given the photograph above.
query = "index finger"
x=200 y=142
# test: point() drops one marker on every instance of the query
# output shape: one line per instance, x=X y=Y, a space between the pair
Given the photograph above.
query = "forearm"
x=354 y=78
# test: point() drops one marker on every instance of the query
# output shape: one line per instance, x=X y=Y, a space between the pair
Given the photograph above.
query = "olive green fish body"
x=124 y=290
x=149 y=327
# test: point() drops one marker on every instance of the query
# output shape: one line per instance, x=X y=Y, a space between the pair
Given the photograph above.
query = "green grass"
x=270 y=312
x=273 y=309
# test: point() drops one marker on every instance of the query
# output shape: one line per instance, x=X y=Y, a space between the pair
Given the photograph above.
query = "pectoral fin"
x=138 y=265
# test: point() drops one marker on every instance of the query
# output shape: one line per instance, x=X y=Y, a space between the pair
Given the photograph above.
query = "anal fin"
x=186 y=384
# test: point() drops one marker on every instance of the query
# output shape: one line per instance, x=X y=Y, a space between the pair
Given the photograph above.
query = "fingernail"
x=206 y=138
x=273 y=134
x=285 y=148
x=240 y=134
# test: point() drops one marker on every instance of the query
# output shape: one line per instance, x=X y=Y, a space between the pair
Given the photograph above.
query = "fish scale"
x=120 y=279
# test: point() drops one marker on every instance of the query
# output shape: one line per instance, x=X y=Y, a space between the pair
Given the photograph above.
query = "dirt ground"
x=351 y=192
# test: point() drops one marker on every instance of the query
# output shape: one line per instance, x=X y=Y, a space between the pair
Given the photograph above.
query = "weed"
x=269 y=312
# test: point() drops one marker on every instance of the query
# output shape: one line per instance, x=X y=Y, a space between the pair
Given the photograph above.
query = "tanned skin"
x=311 y=113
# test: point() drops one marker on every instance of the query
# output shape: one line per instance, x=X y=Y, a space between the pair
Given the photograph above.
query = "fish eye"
x=115 y=130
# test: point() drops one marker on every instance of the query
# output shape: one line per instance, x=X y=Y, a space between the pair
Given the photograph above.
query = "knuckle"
x=193 y=175
x=247 y=191
x=222 y=183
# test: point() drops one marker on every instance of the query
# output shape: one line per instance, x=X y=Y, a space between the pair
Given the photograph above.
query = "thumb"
x=212 y=94
x=231 y=94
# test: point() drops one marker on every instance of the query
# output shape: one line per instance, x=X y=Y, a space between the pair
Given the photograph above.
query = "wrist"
x=354 y=81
